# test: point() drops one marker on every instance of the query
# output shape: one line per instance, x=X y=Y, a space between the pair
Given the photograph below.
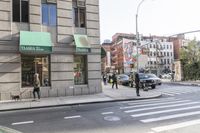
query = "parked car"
x=166 y=76
x=123 y=79
x=156 y=79
x=146 y=81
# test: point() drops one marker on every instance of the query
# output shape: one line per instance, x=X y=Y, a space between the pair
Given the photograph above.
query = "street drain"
x=111 y=118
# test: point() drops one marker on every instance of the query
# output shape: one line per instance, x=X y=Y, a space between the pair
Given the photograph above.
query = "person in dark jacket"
x=137 y=82
x=114 y=78
x=105 y=78
x=36 y=85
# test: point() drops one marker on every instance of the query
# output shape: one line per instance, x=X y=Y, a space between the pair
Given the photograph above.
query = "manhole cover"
x=111 y=118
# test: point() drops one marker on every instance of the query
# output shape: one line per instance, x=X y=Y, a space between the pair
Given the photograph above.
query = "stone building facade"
x=59 y=39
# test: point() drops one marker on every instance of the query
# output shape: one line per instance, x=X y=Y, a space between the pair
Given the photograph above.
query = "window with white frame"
x=20 y=11
x=79 y=13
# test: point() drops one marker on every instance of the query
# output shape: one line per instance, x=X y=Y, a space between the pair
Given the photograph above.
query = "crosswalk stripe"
x=176 y=126
x=178 y=92
x=160 y=107
x=170 y=117
x=165 y=111
x=154 y=101
x=153 y=104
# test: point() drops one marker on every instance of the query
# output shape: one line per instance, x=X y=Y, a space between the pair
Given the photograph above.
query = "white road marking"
x=147 y=100
x=170 y=117
x=165 y=111
x=176 y=126
x=156 y=101
x=178 y=92
x=72 y=117
x=146 y=105
x=24 y=122
x=160 y=107
x=106 y=113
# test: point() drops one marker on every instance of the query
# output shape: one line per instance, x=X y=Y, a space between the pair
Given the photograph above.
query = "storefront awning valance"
x=35 y=42
x=81 y=42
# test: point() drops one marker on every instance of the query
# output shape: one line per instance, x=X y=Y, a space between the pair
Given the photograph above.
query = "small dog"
x=15 y=97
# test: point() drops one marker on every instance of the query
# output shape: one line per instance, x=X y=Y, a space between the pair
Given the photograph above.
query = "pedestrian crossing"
x=177 y=91
x=166 y=114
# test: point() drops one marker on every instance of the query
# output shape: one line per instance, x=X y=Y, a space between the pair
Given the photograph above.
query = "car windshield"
x=143 y=76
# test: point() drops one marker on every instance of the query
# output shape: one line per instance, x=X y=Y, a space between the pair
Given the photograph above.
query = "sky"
x=155 y=17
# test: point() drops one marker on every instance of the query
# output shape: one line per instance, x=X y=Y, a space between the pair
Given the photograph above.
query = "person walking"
x=137 y=82
x=36 y=84
x=114 y=78
x=104 y=78
x=172 y=76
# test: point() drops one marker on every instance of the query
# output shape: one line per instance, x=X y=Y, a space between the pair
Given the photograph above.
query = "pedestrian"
x=104 y=78
x=36 y=85
x=132 y=78
x=137 y=82
x=172 y=75
x=109 y=78
x=114 y=80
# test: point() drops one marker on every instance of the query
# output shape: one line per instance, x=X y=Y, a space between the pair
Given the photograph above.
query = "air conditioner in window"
x=51 y=1
x=80 y=3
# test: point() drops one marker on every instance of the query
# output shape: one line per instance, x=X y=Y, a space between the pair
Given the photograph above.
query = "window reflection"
x=49 y=14
x=32 y=64
x=80 y=76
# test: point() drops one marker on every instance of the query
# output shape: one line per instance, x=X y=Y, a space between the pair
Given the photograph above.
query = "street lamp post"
x=137 y=33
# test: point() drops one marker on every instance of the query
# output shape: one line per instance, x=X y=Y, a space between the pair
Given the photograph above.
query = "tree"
x=190 y=59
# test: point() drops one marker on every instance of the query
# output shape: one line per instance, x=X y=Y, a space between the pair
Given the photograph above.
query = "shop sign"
x=36 y=48
x=83 y=50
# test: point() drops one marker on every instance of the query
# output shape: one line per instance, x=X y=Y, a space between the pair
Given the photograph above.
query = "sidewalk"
x=108 y=95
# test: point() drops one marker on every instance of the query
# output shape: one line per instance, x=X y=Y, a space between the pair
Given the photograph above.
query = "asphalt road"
x=178 y=111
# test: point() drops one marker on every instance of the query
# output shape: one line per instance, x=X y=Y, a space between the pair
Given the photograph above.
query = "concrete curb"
x=92 y=102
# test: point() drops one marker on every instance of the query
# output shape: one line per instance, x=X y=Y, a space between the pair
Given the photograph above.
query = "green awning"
x=103 y=52
x=35 y=42
x=81 y=42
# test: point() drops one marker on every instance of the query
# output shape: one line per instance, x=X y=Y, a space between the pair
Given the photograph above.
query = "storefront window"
x=80 y=76
x=32 y=64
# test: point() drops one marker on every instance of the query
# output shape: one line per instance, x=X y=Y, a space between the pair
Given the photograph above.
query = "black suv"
x=146 y=81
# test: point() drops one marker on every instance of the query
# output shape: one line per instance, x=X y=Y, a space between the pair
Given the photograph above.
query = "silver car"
x=156 y=79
